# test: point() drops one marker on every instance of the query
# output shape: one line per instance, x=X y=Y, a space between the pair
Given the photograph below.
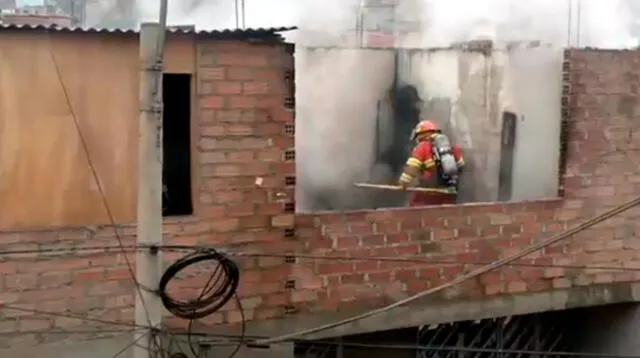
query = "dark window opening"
x=176 y=145
x=507 y=149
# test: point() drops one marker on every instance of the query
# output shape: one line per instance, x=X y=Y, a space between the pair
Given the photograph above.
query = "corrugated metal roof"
x=229 y=34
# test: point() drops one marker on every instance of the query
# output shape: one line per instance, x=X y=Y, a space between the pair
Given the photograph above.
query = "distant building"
x=7 y=4
x=35 y=12
x=37 y=19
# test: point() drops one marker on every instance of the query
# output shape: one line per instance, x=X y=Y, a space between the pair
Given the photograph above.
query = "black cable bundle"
x=218 y=290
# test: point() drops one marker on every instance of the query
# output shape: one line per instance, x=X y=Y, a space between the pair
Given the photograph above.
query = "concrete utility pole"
x=148 y=309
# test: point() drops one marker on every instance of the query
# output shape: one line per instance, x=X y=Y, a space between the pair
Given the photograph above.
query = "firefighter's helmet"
x=424 y=127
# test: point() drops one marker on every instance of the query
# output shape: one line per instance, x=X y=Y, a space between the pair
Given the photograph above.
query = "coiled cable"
x=219 y=289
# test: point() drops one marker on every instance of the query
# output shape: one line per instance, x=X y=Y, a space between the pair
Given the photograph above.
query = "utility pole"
x=579 y=25
x=148 y=307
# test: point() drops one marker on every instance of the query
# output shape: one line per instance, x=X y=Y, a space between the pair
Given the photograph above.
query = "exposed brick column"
x=565 y=116
x=247 y=167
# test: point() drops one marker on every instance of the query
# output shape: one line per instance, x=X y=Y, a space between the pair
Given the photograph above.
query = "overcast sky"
x=605 y=23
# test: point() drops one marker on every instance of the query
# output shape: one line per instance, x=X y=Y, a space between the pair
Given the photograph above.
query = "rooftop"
x=259 y=34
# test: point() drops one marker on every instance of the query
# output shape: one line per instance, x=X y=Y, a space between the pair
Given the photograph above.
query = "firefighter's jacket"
x=422 y=162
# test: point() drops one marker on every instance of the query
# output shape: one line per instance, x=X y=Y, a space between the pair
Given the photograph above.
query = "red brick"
x=285 y=220
x=55 y=279
x=225 y=225
x=241 y=119
x=268 y=129
x=212 y=102
x=227 y=115
x=242 y=59
x=20 y=282
x=271 y=155
x=211 y=73
x=241 y=209
x=212 y=157
x=118 y=274
x=268 y=102
x=241 y=73
x=34 y=324
x=256 y=88
x=94 y=275
x=335 y=268
x=239 y=130
x=270 y=208
x=8 y=267
x=205 y=88
x=347 y=242
x=228 y=88
x=242 y=102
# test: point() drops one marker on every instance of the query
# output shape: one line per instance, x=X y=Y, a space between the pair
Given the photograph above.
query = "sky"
x=604 y=23
x=30 y=2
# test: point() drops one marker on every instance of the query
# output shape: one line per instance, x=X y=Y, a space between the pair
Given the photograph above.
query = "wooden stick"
x=398 y=188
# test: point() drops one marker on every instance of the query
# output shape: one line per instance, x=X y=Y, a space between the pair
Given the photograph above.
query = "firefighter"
x=435 y=162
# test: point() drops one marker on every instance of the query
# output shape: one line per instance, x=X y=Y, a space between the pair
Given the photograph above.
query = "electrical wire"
x=98 y=183
x=232 y=340
x=220 y=288
x=462 y=278
x=127 y=326
x=327 y=257
x=217 y=291
x=63 y=332
x=80 y=317
x=478 y=350
x=241 y=339
x=133 y=343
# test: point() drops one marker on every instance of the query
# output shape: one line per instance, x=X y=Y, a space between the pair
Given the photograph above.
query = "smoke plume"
x=336 y=142
x=602 y=23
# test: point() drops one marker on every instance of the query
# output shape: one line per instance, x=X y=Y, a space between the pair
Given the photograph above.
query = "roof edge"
x=270 y=33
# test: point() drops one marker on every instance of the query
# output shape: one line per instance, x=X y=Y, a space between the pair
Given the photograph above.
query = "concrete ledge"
x=98 y=348
x=424 y=313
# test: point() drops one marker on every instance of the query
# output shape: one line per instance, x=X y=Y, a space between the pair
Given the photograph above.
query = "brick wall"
x=245 y=170
x=244 y=132
x=600 y=172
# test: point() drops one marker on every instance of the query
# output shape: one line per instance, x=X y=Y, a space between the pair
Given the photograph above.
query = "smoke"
x=602 y=23
x=221 y=14
x=342 y=91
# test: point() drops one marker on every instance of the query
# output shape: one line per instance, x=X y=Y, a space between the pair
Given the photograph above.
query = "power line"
x=67 y=332
x=250 y=341
x=509 y=261
x=133 y=343
x=230 y=340
x=479 y=350
x=98 y=183
x=70 y=315
x=89 y=250
x=128 y=327
x=462 y=278
x=221 y=286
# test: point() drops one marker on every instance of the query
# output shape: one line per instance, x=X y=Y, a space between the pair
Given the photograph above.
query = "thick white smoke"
x=602 y=23
x=594 y=23
x=337 y=85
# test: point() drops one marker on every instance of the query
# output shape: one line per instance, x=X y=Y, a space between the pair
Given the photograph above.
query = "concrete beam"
x=422 y=313
x=425 y=313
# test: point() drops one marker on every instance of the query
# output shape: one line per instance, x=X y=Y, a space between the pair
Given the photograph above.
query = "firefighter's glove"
x=404 y=181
